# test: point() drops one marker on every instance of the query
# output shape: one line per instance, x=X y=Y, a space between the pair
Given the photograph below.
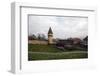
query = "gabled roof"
x=50 y=31
x=86 y=38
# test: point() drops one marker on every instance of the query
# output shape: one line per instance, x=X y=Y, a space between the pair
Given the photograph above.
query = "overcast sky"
x=62 y=27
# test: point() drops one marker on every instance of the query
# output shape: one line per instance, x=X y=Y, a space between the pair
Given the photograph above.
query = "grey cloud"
x=63 y=27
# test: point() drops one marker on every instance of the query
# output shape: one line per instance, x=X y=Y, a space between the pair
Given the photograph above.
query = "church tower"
x=50 y=36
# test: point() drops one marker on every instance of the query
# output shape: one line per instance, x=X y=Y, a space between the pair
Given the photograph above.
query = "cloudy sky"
x=62 y=27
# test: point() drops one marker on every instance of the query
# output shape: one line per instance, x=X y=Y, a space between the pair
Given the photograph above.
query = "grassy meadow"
x=51 y=52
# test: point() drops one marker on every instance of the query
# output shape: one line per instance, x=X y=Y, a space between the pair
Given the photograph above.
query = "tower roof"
x=50 y=31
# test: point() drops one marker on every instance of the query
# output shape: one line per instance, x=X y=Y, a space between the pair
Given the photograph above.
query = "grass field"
x=50 y=52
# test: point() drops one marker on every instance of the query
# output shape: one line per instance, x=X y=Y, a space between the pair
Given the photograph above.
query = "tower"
x=50 y=36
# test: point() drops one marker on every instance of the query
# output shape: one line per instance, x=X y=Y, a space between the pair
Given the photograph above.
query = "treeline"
x=38 y=37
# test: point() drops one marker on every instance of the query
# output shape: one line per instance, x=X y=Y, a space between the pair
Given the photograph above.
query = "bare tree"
x=34 y=37
x=41 y=37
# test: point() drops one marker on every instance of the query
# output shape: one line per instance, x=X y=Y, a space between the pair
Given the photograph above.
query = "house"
x=84 y=43
x=69 y=41
x=73 y=43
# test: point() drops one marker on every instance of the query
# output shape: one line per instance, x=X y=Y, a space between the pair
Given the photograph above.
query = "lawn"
x=43 y=48
x=50 y=52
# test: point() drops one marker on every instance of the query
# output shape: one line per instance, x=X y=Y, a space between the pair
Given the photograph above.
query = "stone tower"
x=50 y=36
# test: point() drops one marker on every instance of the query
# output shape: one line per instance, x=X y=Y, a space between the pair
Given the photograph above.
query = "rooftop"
x=50 y=31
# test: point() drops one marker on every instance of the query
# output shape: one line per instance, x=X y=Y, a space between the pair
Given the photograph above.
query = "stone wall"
x=38 y=42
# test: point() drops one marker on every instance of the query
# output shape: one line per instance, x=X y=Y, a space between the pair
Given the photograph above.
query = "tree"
x=30 y=38
x=34 y=37
x=41 y=37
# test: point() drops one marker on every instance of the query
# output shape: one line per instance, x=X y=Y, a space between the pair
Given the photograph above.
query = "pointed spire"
x=50 y=31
